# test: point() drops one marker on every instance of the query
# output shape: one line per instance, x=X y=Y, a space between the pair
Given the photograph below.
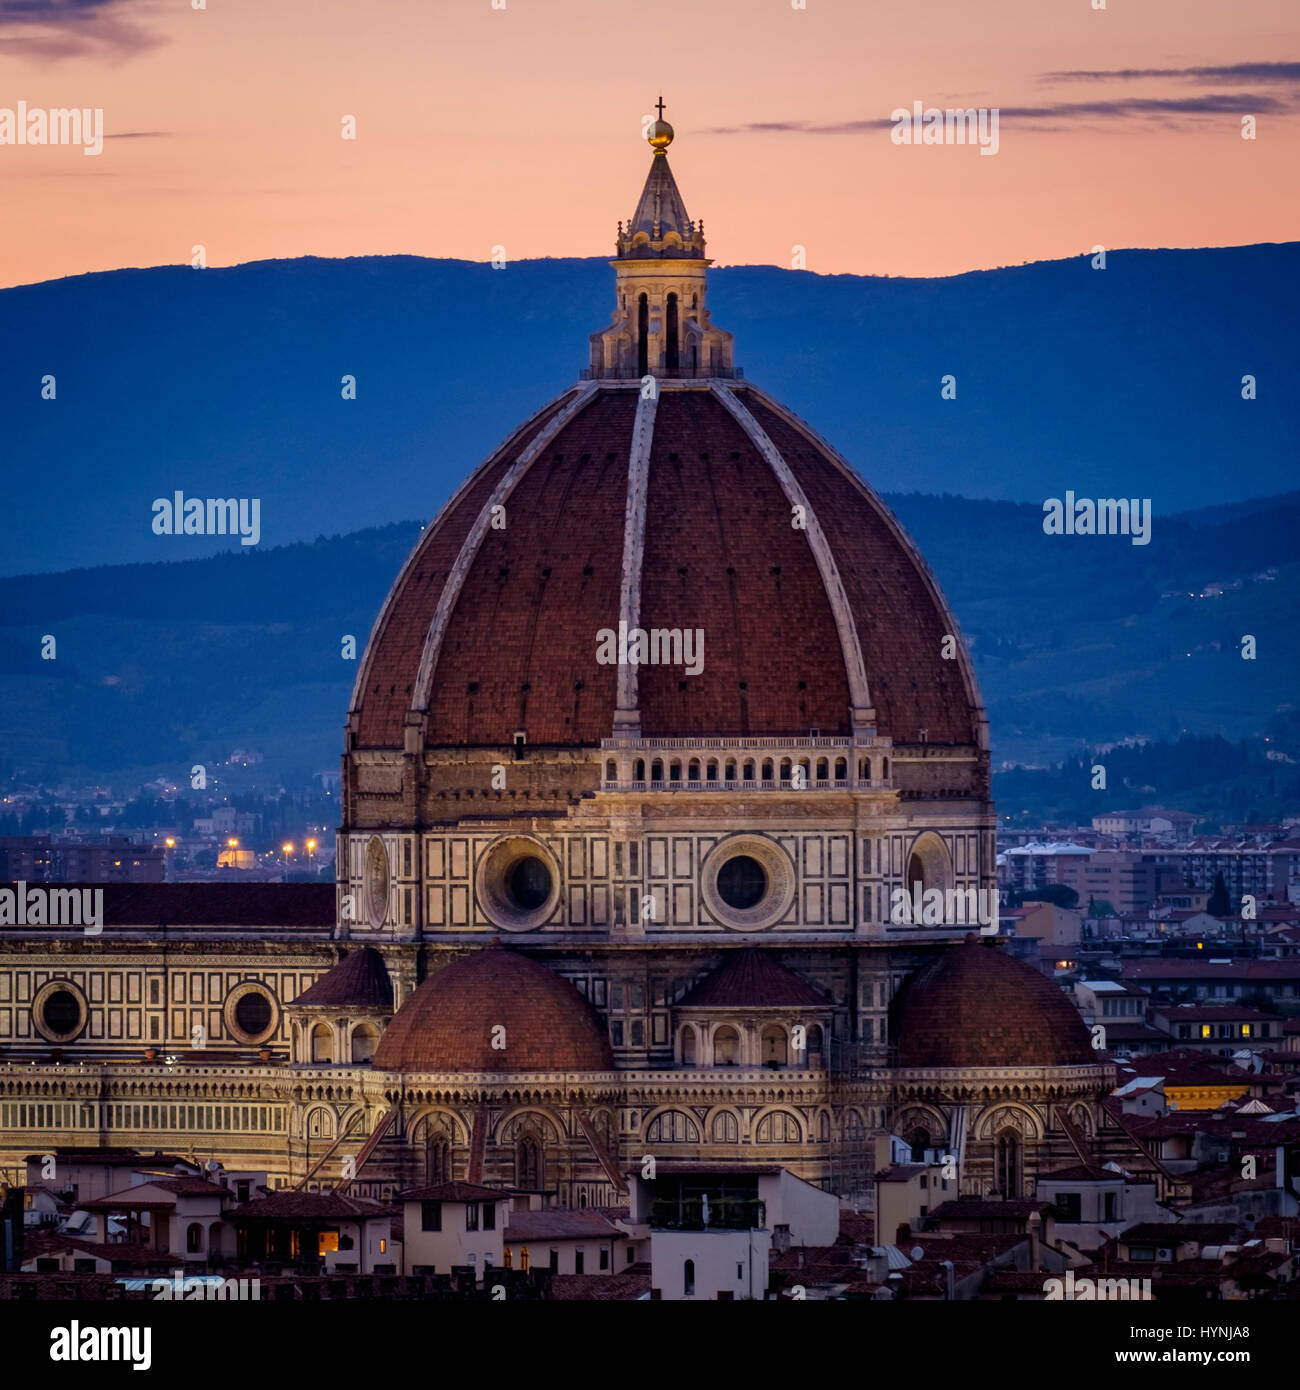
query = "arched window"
x=1008 y=1163
x=915 y=873
x=823 y=772
x=813 y=1042
x=776 y=1050
x=778 y=1128
x=642 y=336
x=611 y=771
x=656 y=771
x=693 y=770
x=711 y=775
x=864 y=769
x=673 y=1127
x=785 y=769
x=767 y=770
x=695 y=356
x=214 y=1238
x=726 y=1047
x=726 y=1128
x=364 y=1041
x=675 y=770
x=884 y=769
x=731 y=770
x=320 y=1124
x=322 y=1049
x=523 y=1249
x=920 y=1141
x=688 y=1278
x=688 y=1045
x=670 y=346
x=528 y=1164
x=194 y=1238
x=749 y=770
x=437 y=1158
x=841 y=770
x=638 y=770
x=824 y=1128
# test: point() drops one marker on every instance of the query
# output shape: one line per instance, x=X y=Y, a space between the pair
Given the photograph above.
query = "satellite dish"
x=917 y=1253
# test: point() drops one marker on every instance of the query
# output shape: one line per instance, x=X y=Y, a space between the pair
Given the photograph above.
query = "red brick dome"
x=975 y=1006
x=817 y=610
x=448 y=1023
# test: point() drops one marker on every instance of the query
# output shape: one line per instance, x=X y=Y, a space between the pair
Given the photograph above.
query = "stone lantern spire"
x=661 y=325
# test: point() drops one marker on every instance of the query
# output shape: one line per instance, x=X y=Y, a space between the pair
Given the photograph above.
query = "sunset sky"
x=520 y=127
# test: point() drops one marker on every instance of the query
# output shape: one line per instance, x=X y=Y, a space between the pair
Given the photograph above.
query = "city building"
x=601 y=899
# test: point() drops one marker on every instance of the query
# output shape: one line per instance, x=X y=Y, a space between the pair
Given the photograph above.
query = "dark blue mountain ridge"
x=1078 y=641
x=227 y=382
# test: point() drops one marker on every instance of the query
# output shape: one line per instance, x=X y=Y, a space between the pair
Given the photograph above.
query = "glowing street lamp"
x=286 y=849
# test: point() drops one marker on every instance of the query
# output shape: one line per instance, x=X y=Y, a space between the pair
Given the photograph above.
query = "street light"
x=287 y=849
x=311 y=850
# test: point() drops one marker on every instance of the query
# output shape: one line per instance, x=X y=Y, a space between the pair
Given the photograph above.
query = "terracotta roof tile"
x=359 y=980
x=448 y=1023
x=973 y=1005
x=454 y=1192
x=753 y=979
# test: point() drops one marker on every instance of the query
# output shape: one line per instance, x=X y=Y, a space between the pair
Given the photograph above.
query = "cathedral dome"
x=662 y=494
x=975 y=1006
x=448 y=1023
x=816 y=610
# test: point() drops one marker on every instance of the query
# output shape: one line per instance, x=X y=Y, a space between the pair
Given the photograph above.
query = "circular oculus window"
x=59 y=1011
x=251 y=1013
x=747 y=883
x=518 y=883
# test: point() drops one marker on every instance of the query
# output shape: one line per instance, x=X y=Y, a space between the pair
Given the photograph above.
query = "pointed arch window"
x=643 y=336
x=670 y=345
x=528 y=1163
x=1008 y=1163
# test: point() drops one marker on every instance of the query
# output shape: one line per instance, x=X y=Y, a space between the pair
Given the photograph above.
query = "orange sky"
x=521 y=127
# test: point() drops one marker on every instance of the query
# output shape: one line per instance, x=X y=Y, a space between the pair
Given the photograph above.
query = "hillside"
x=1078 y=641
x=226 y=382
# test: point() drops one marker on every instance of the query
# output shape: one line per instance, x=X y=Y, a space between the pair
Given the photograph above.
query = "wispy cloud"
x=1283 y=73
x=1169 y=110
x=52 y=29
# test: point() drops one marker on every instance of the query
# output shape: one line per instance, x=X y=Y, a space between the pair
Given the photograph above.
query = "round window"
x=253 y=1013
x=61 y=1012
x=741 y=882
x=528 y=882
x=518 y=883
x=747 y=883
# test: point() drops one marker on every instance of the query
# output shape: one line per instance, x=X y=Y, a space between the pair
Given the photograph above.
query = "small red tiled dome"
x=975 y=1006
x=448 y=1023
